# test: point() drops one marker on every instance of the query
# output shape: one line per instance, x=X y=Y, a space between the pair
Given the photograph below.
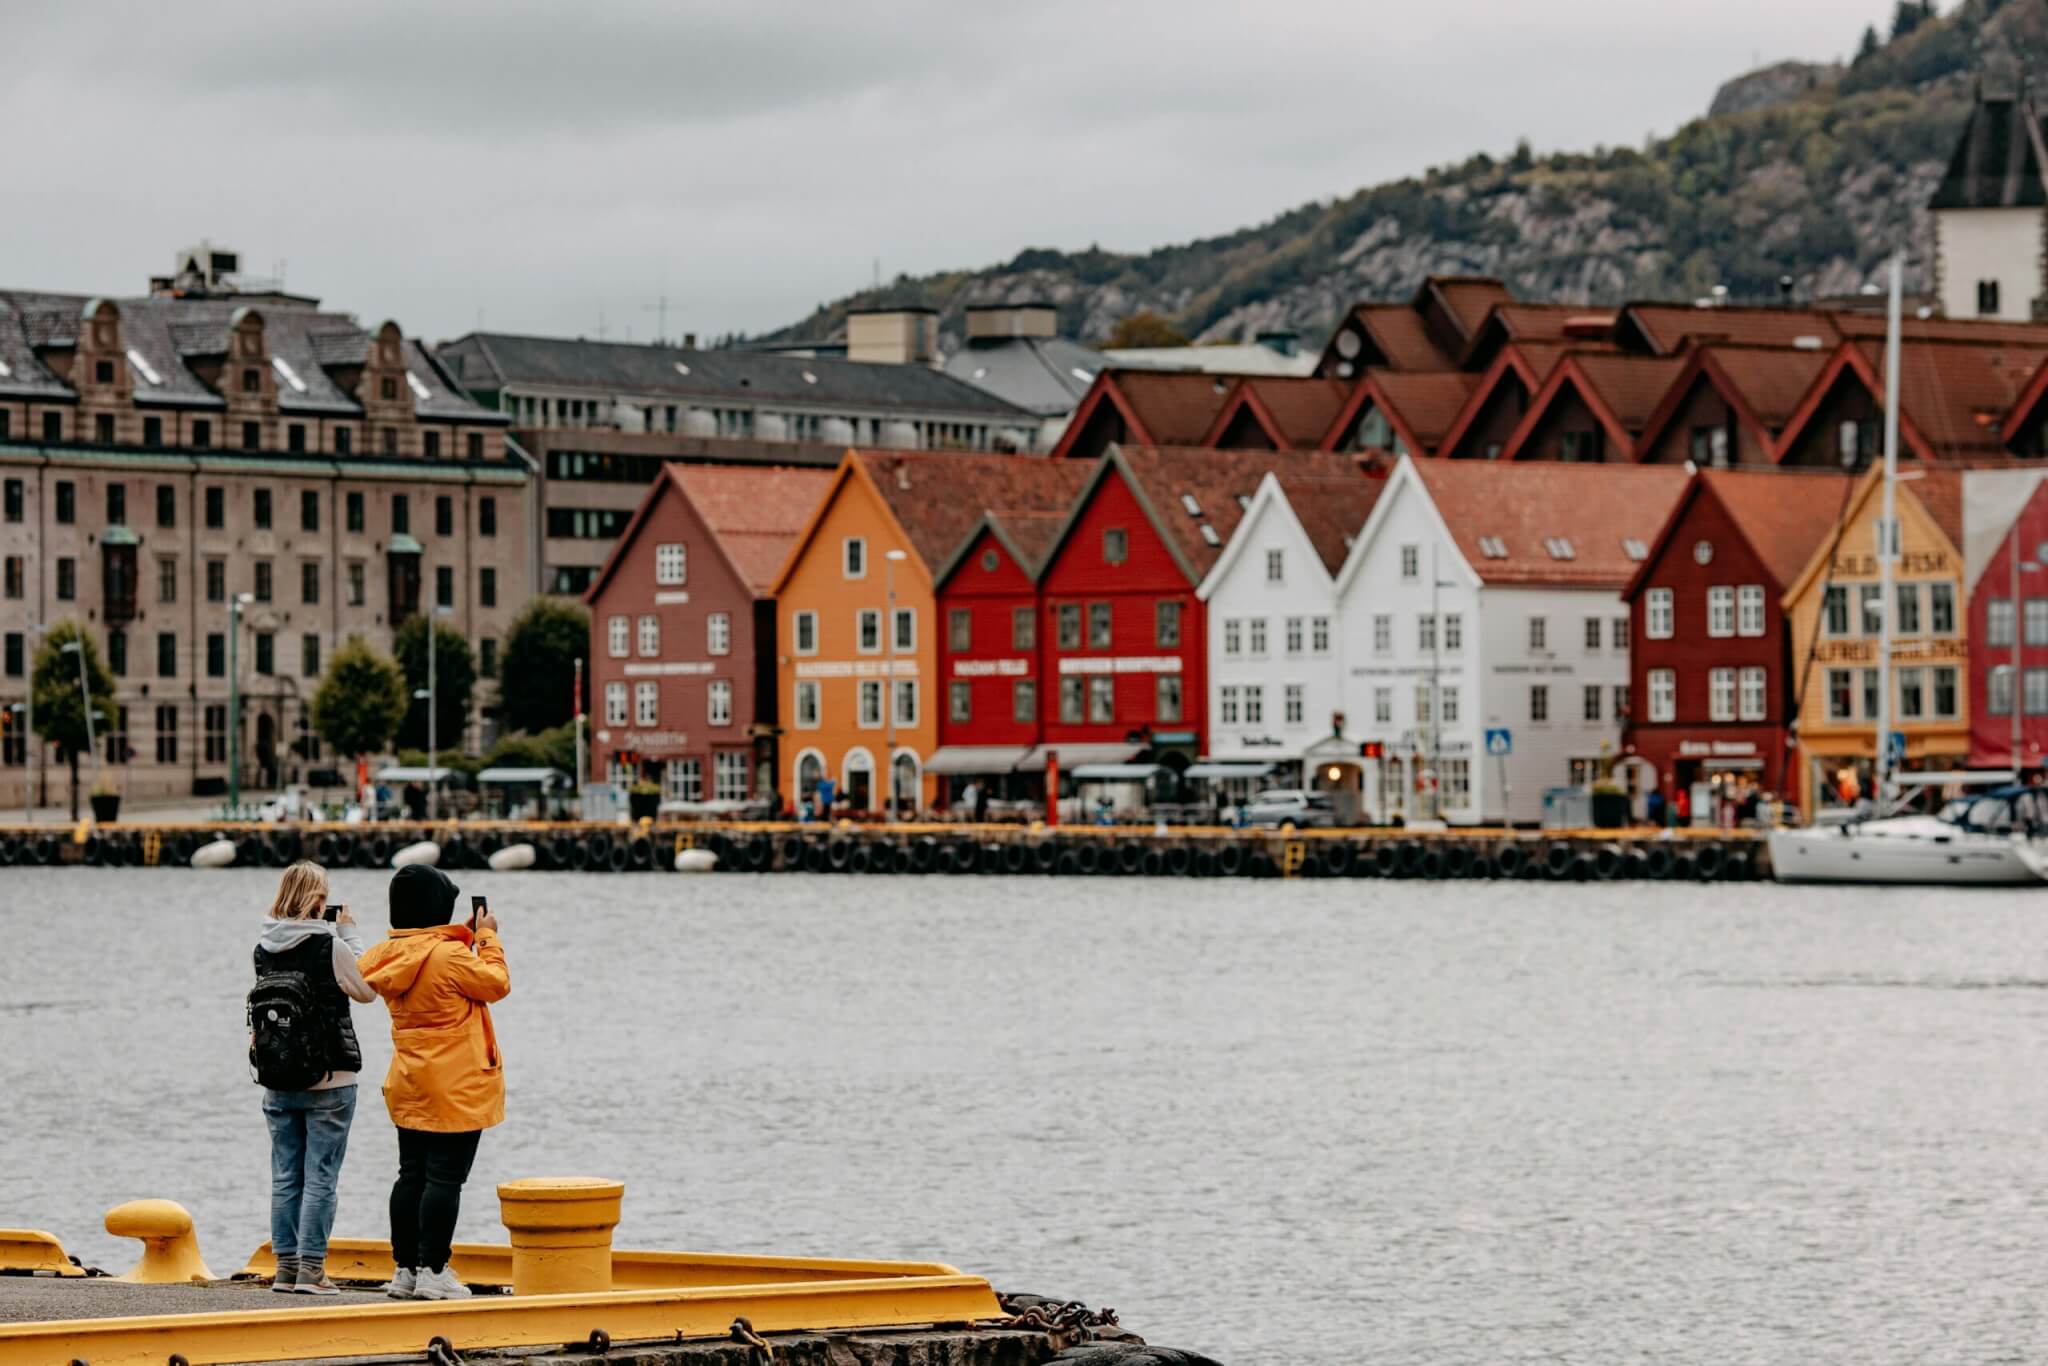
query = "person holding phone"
x=303 y=1050
x=447 y=1081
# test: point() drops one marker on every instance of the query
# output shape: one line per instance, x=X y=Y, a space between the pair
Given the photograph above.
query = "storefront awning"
x=545 y=776
x=411 y=773
x=1224 y=770
x=1074 y=755
x=1726 y=763
x=1116 y=773
x=954 y=759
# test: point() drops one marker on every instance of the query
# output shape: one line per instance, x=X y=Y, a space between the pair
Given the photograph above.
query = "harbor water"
x=1277 y=1122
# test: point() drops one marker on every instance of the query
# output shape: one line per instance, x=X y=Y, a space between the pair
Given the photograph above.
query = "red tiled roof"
x=1301 y=409
x=1402 y=337
x=755 y=513
x=1331 y=508
x=1957 y=394
x=1175 y=407
x=1670 y=328
x=1469 y=298
x=1033 y=533
x=1216 y=480
x=1940 y=492
x=940 y=496
x=1630 y=386
x=1525 y=506
x=1425 y=404
x=1784 y=514
x=1770 y=380
x=1983 y=331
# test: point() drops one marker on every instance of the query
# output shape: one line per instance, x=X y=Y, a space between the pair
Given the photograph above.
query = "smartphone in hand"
x=332 y=912
x=477 y=909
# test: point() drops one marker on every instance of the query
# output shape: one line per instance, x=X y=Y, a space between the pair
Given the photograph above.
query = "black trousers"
x=428 y=1195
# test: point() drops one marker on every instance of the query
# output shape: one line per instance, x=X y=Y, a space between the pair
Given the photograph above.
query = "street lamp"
x=433 y=752
x=2018 y=624
x=92 y=744
x=235 y=606
x=28 y=729
x=889 y=563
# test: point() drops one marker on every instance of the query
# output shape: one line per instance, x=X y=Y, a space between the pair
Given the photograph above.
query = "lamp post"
x=235 y=606
x=889 y=563
x=28 y=725
x=92 y=744
x=2018 y=624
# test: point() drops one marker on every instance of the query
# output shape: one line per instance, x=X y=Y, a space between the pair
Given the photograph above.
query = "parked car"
x=1290 y=806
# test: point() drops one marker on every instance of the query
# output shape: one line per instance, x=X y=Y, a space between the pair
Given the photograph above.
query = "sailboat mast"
x=1888 y=542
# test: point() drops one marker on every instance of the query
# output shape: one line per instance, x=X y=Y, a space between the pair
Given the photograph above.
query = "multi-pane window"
x=1657 y=614
x=1872 y=597
x=1383 y=705
x=1233 y=634
x=1447 y=704
x=2033 y=621
x=1258 y=635
x=1425 y=632
x=1841 y=694
x=309 y=656
x=1539 y=634
x=853 y=557
x=1166 y=622
x=1024 y=700
x=2035 y=696
x=1069 y=628
x=646 y=703
x=1226 y=704
x=1592 y=633
x=1750 y=610
x=1998 y=621
x=1998 y=692
x=1834 y=610
x=1589 y=707
x=1912 y=694
x=960 y=700
x=166 y=733
x=1423 y=706
x=1098 y=626
x=166 y=654
x=718 y=633
x=615 y=704
x=1411 y=561
x=906 y=628
x=1663 y=695
x=1023 y=628
x=1168 y=698
x=649 y=636
x=1721 y=694
x=1116 y=545
x=167 y=578
x=729 y=775
x=1539 y=702
x=617 y=639
x=1457 y=782
x=1945 y=690
x=309 y=581
x=1294 y=635
x=871 y=702
x=868 y=630
x=807 y=703
x=1869 y=693
x=1618 y=633
x=1319 y=633
x=959 y=629
x=1276 y=566
x=1291 y=708
x=1072 y=697
x=1621 y=701
x=669 y=565
x=1254 y=705
x=804 y=628
x=1721 y=611
x=1753 y=696
x=216 y=733
x=906 y=701
x=1909 y=609
x=1382 y=633
x=1941 y=608
x=1102 y=697
x=683 y=780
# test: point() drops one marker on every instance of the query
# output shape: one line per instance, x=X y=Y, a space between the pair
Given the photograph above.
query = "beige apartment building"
x=163 y=456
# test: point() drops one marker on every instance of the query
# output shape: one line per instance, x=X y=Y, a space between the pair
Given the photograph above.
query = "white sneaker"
x=403 y=1285
x=438 y=1285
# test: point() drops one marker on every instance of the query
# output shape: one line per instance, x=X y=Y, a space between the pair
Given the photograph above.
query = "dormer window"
x=1493 y=548
x=1987 y=298
x=252 y=381
x=1559 y=547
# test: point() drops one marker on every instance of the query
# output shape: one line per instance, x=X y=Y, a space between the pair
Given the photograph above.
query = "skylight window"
x=981 y=372
x=810 y=378
x=1634 y=548
x=1194 y=509
x=419 y=390
x=682 y=369
x=1085 y=376
x=1493 y=548
x=1559 y=548
x=287 y=374
x=1244 y=501
x=1209 y=535
x=4 y=371
x=136 y=361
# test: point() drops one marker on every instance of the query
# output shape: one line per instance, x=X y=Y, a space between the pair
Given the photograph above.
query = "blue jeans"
x=308 y=1139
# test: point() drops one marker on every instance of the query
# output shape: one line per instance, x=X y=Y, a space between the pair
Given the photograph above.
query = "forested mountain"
x=1802 y=170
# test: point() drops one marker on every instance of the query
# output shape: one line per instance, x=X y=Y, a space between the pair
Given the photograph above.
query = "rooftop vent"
x=5 y=372
x=1194 y=509
x=810 y=378
x=1634 y=548
x=1209 y=535
x=1493 y=548
x=1806 y=343
x=682 y=369
x=136 y=361
x=1559 y=547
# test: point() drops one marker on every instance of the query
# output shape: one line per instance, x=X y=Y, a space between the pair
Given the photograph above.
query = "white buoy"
x=512 y=858
x=426 y=851
x=218 y=854
x=695 y=860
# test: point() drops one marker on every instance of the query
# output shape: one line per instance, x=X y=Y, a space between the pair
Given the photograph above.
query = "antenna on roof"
x=659 y=308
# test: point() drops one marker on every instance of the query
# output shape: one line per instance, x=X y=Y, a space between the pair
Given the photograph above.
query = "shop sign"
x=1703 y=749
x=670 y=670
x=855 y=668
x=1864 y=651
x=991 y=668
x=1128 y=664
x=655 y=743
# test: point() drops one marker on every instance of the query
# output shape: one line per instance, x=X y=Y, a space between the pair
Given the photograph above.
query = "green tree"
x=1869 y=46
x=1144 y=328
x=61 y=702
x=1909 y=15
x=454 y=681
x=360 y=701
x=541 y=651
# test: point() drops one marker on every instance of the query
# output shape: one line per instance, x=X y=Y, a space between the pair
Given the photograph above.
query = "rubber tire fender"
x=1179 y=860
x=1657 y=863
x=640 y=854
x=1130 y=858
x=1087 y=859
x=789 y=853
x=1386 y=858
x=1338 y=857
x=1508 y=861
x=1557 y=859
x=862 y=859
x=1457 y=861
x=1205 y=862
x=1017 y=858
x=838 y=854
x=1708 y=861
x=1047 y=856
x=1230 y=860
x=924 y=854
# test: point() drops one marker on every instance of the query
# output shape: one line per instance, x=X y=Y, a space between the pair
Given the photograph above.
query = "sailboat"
x=1990 y=839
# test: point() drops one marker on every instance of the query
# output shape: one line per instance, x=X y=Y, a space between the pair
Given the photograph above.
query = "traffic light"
x=1372 y=749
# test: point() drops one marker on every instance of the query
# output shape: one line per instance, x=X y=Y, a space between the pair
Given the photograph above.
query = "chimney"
x=689 y=341
x=1284 y=340
x=893 y=336
x=993 y=322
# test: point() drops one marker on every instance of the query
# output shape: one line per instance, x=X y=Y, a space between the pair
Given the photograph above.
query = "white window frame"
x=1226 y=704
x=797 y=622
x=646 y=703
x=906 y=689
x=1658 y=614
x=1383 y=705
x=718 y=633
x=1752 y=692
x=1257 y=633
x=1276 y=566
x=809 y=698
x=1319 y=635
x=1539 y=635
x=905 y=615
x=718 y=702
x=1749 y=610
x=860 y=630
x=1382 y=633
x=850 y=549
x=1411 y=562
x=1721 y=692
x=729 y=764
x=1663 y=698
x=615 y=704
x=618 y=629
x=671 y=563
x=1233 y=636
x=1453 y=626
x=649 y=636
x=1293 y=705
x=1447 y=704
x=870 y=689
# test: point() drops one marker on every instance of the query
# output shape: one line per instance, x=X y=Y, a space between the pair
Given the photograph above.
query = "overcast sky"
x=538 y=167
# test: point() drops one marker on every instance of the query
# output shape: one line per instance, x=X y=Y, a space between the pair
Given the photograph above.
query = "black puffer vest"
x=313 y=957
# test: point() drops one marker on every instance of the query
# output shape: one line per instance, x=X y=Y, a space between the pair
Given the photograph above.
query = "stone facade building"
x=162 y=455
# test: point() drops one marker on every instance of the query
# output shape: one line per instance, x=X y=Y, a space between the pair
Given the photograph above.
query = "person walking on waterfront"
x=302 y=1047
x=447 y=1081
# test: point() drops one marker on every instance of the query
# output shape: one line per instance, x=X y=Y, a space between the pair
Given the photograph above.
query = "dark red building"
x=1731 y=529
x=682 y=631
x=1991 y=643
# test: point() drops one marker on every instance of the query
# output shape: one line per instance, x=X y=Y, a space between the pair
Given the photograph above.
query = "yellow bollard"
x=170 y=1249
x=561 y=1231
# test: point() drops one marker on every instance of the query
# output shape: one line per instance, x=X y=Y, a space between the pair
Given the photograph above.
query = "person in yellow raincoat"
x=447 y=1081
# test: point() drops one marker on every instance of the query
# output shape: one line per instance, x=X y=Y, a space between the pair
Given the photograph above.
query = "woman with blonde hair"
x=303 y=1052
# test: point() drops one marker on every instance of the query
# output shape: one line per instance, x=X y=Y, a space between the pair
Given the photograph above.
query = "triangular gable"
x=1113 y=460
x=1510 y=366
x=1868 y=488
x=1849 y=360
x=850 y=470
x=991 y=523
x=1694 y=487
x=1370 y=391
x=1568 y=374
x=1102 y=392
x=2025 y=406
x=1701 y=365
x=1403 y=477
x=655 y=490
x=1243 y=406
x=1269 y=497
x=1999 y=560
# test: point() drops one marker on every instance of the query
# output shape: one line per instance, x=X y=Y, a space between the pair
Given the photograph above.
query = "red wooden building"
x=2021 y=552
x=682 y=631
x=991 y=645
x=1731 y=530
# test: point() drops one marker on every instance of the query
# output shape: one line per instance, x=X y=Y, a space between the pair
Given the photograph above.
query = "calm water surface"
x=1279 y=1123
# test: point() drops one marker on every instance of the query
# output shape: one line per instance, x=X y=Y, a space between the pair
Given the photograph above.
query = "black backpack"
x=288 y=1032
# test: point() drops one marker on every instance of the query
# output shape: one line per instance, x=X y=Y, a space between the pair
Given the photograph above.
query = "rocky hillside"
x=1804 y=170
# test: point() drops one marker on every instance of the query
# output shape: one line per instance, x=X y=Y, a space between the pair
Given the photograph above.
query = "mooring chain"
x=441 y=1352
x=743 y=1331
x=1065 y=1325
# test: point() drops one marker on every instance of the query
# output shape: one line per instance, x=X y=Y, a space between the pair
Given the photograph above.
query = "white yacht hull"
x=1862 y=853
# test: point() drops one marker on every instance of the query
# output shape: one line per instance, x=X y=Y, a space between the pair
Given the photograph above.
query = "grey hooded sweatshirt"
x=279 y=935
